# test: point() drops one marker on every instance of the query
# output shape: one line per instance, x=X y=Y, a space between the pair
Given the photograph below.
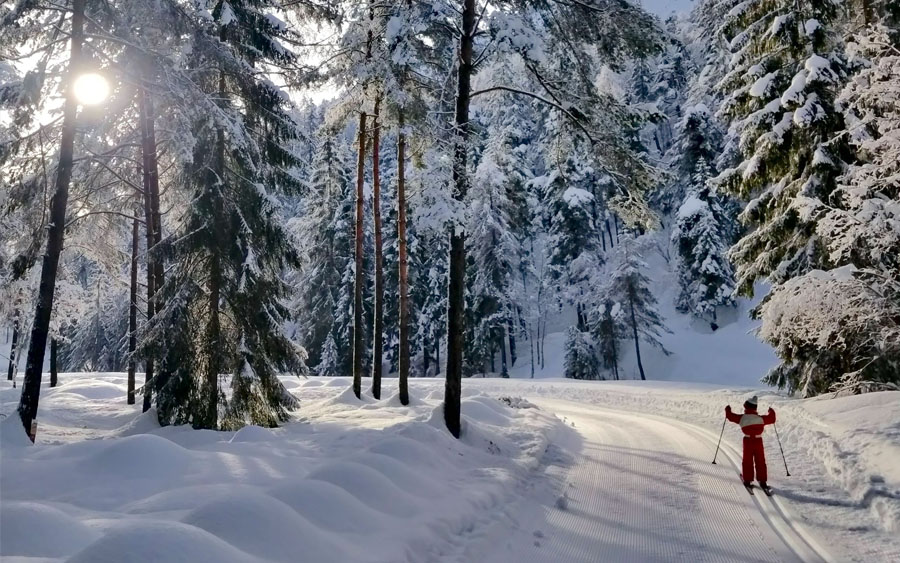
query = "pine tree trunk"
x=153 y=226
x=151 y=281
x=403 y=367
x=11 y=372
x=132 y=310
x=54 y=367
x=609 y=231
x=531 y=336
x=359 y=348
x=512 y=341
x=214 y=326
x=637 y=340
x=504 y=369
x=34 y=365
x=456 y=303
x=378 y=328
x=426 y=356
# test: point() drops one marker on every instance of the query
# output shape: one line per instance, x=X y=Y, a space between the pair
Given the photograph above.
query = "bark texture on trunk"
x=11 y=372
x=457 y=276
x=378 y=323
x=403 y=265
x=54 y=366
x=637 y=340
x=132 y=309
x=359 y=348
x=153 y=226
x=214 y=324
x=31 y=386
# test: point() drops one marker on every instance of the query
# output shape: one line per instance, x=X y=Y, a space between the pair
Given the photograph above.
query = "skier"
x=752 y=424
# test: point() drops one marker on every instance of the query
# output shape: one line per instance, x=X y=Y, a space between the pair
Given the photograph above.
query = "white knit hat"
x=751 y=402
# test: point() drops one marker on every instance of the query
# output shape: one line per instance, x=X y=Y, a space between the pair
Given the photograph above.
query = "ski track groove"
x=641 y=488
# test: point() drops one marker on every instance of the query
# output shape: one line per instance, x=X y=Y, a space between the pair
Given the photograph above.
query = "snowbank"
x=350 y=480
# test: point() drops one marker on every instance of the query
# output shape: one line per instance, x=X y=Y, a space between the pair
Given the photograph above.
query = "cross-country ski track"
x=620 y=486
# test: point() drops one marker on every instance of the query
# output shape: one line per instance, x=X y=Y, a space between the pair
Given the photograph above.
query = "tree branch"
x=541 y=99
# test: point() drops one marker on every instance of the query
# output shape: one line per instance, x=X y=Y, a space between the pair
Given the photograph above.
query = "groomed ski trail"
x=626 y=487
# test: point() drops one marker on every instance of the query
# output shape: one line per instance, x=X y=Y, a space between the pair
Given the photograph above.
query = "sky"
x=664 y=8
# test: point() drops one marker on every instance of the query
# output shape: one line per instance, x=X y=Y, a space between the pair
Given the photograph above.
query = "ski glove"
x=727 y=408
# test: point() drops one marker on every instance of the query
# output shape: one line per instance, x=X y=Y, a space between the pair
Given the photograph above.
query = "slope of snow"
x=376 y=481
x=349 y=480
x=730 y=355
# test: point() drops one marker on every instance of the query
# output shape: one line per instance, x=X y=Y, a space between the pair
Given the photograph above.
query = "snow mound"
x=406 y=451
x=369 y=486
x=253 y=433
x=263 y=526
x=172 y=542
x=394 y=401
x=328 y=506
x=92 y=389
x=37 y=530
x=141 y=455
x=142 y=424
x=347 y=397
x=399 y=473
x=183 y=498
x=476 y=409
x=12 y=434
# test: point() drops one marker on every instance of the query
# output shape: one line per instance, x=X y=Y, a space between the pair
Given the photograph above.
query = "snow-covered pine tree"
x=608 y=328
x=329 y=362
x=838 y=329
x=326 y=239
x=629 y=288
x=784 y=74
x=704 y=273
x=581 y=356
x=225 y=307
x=494 y=249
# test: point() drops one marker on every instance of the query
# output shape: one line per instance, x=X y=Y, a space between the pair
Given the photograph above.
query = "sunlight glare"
x=91 y=89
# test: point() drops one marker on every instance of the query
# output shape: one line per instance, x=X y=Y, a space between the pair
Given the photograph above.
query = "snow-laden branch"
x=572 y=117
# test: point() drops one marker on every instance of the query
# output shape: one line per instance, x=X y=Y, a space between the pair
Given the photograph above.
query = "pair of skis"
x=768 y=490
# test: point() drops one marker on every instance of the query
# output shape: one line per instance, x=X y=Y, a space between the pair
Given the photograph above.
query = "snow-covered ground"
x=600 y=471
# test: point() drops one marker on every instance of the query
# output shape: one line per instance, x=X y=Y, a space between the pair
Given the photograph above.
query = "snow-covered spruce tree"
x=325 y=235
x=329 y=361
x=784 y=74
x=608 y=328
x=840 y=329
x=224 y=306
x=581 y=356
x=704 y=273
x=494 y=249
x=629 y=288
x=574 y=243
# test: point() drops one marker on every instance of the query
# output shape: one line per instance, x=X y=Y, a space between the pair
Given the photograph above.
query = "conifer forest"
x=212 y=194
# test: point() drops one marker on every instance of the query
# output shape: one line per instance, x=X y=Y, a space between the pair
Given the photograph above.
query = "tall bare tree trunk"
x=637 y=341
x=34 y=365
x=456 y=303
x=511 y=332
x=214 y=327
x=54 y=366
x=378 y=328
x=132 y=309
x=153 y=226
x=359 y=348
x=403 y=265
x=11 y=372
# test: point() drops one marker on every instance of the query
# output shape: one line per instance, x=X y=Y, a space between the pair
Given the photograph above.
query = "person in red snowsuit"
x=752 y=424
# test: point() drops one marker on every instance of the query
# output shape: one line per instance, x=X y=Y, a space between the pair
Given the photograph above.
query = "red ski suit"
x=752 y=424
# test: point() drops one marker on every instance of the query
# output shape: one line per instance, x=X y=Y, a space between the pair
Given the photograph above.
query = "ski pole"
x=720 y=441
x=782 y=450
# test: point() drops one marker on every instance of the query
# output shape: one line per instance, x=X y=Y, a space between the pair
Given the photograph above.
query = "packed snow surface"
x=547 y=470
